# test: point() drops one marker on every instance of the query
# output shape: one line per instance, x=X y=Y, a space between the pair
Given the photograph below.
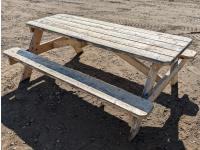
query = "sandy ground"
x=49 y=115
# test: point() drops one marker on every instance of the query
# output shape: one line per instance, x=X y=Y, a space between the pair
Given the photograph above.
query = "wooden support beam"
x=150 y=79
x=174 y=80
x=76 y=44
x=137 y=64
x=35 y=41
x=165 y=80
x=61 y=42
x=135 y=124
x=46 y=46
x=56 y=43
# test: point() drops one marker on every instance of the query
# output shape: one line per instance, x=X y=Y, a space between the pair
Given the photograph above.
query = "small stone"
x=148 y=118
x=193 y=141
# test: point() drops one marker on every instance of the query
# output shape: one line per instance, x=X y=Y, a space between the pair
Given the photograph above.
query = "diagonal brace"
x=137 y=64
x=166 y=79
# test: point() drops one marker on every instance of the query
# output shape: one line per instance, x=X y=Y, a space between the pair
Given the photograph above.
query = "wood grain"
x=139 y=107
x=145 y=44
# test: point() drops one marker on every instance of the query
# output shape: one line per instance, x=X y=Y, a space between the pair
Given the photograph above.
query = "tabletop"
x=148 y=45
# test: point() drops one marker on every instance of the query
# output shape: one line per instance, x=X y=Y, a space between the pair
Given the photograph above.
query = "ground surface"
x=43 y=115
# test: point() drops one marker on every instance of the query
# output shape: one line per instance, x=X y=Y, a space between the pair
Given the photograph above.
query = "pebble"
x=9 y=132
x=193 y=141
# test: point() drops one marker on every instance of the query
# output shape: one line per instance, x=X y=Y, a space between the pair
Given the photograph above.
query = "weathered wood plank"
x=134 y=104
x=147 y=33
x=104 y=42
x=60 y=42
x=123 y=32
x=164 y=47
x=160 y=46
x=43 y=47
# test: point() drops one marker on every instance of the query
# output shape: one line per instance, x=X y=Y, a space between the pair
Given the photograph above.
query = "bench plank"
x=137 y=106
x=149 y=45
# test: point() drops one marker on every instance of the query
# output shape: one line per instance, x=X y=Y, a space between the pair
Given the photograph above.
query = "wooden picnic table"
x=129 y=43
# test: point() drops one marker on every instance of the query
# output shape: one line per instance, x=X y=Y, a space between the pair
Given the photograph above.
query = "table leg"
x=174 y=81
x=77 y=45
x=135 y=127
x=35 y=41
x=166 y=79
x=151 y=79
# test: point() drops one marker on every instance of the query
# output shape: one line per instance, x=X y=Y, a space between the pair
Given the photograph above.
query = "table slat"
x=148 y=45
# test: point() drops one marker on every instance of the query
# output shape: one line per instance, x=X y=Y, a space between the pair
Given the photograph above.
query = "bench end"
x=188 y=54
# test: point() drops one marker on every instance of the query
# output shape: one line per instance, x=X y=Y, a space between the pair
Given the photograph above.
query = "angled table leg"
x=151 y=78
x=135 y=124
x=174 y=80
x=76 y=44
x=35 y=41
x=166 y=79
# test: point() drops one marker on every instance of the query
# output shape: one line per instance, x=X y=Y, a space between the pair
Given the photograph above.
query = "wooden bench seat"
x=139 y=107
